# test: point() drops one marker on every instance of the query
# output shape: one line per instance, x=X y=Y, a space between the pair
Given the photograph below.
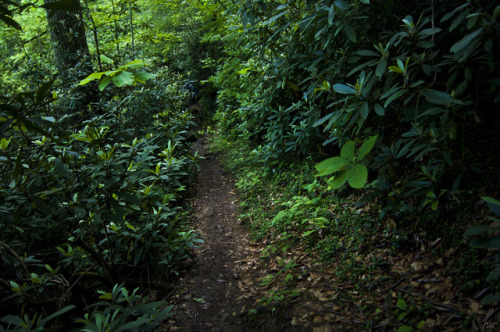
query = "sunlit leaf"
x=142 y=76
x=91 y=77
x=123 y=78
x=106 y=59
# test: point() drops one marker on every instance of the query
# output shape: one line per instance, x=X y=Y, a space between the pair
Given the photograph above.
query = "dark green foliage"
x=91 y=200
x=315 y=75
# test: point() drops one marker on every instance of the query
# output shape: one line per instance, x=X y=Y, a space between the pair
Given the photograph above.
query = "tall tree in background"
x=67 y=33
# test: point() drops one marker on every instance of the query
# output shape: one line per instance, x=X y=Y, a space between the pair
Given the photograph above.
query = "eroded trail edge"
x=214 y=295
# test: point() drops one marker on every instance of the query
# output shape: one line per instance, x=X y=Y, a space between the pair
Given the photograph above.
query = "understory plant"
x=90 y=200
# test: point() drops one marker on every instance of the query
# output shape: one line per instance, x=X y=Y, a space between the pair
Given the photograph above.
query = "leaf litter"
x=235 y=284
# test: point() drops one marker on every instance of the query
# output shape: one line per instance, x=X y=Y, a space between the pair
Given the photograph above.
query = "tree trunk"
x=68 y=37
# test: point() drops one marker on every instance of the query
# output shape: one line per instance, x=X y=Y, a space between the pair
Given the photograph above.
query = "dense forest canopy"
x=392 y=104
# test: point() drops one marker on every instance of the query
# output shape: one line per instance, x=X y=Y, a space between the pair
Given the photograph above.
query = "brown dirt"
x=220 y=288
x=223 y=289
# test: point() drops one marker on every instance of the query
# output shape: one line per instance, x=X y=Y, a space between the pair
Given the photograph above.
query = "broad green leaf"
x=104 y=82
x=341 y=4
x=243 y=71
x=136 y=64
x=464 y=42
x=436 y=97
x=106 y=59
x=366 y=147
x=493 y=204
x=59 y=312
x=379 y=110
x=330 y=165
x=4 y=143
x=343 y=89
x=380 y=70
x=123 y=78
x=339 y=179
x=393 y=97
x=142 y=76
x=347 y=151
x=401 y=304
x=405 y=328
x=364 y=110
x=367 y=53
x=395 y=69
x=496 y=12
x=331 y=14
x=357 y=176
x=91 y=77
x=323 y=119
x=274 y=18
x=13 y=320
x=113 y=72
x=401 y=65
x=350 y=32
x=453 y=12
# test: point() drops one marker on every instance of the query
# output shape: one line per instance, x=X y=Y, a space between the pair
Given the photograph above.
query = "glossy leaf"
x=331 y=165
x=343 y=89
x=436 y=97
x=493 y=204
x=379 y=110
x=357 y=176
x=464 y=42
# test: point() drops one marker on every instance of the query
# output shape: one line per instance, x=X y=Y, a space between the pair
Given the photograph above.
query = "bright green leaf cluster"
x=121 y=76
x=348 y=166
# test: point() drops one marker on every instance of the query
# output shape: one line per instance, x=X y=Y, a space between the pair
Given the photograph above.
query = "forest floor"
x=220 y=287
x=221 y=291
x=234 y=284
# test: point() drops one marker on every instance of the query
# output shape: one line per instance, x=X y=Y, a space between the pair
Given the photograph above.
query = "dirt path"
x=224 y=286
x=218 y=290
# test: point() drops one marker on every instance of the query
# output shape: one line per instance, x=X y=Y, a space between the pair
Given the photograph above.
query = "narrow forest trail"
x=223 y=289
x=220 y=287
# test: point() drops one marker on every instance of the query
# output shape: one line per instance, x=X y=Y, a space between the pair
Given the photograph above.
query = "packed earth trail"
x=214 y=295
x=224 y=288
